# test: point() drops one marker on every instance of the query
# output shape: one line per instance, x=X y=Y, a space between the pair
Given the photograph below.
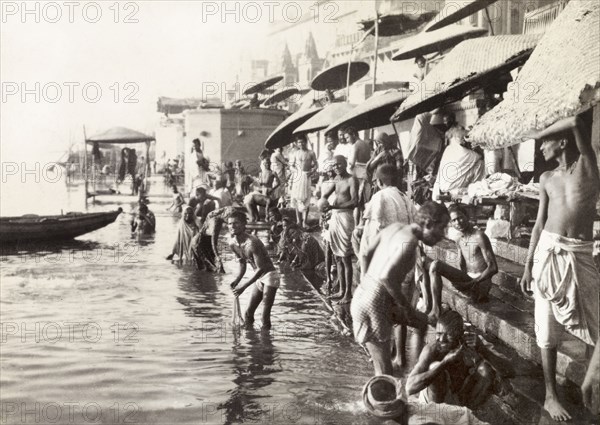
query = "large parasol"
x=374 y=112
x=326 y=116
x=336 y=77
x=283 y=134
x=280 y=96
x=397 y=24
x=457 y=10
x=431 y=42
x=263 y=85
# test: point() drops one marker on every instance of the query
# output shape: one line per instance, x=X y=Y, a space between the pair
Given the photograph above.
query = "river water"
x=105 y=330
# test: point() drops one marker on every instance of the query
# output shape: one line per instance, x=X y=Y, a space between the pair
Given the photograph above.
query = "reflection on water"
x=104 y=330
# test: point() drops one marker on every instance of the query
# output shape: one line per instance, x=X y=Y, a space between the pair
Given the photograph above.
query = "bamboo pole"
x=487 y=14
x=85 y=176
x=375 y=60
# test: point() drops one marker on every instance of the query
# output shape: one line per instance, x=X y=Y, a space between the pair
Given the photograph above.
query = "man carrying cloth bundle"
x=560 y=268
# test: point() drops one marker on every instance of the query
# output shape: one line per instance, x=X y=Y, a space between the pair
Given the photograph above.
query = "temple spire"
x=310 y=48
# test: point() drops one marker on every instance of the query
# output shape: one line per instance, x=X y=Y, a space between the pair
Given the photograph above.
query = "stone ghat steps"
x=509 y=316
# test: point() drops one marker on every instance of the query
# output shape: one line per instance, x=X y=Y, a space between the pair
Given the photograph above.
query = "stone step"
x=509 y=315
x=510 y=251
x=516 y=329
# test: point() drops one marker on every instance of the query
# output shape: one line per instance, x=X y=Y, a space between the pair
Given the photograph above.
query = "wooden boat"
x=32 y=227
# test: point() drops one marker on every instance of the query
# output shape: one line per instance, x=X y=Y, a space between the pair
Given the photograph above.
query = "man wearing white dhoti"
x=303 y=164
x=560 y=264
x=341 y=225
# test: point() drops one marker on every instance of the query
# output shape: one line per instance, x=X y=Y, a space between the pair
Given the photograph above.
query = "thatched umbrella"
x=326 y=116
x=373 y=112
x=263 y=85
x=339 y=76
x=280 y=95
x=446 y=38
x=472 y=65
x=561 y=79
x=282 y=135
x=456 y=11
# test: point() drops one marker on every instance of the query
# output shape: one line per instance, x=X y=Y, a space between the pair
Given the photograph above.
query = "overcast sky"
x=170 y=51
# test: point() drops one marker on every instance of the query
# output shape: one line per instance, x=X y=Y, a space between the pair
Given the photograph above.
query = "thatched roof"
x=560 y=79
x=472 y=65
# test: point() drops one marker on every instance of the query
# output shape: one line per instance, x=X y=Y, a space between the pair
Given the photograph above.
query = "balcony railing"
x=538 y=20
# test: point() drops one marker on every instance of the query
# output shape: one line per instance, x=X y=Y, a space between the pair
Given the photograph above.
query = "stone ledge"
x=516 y=329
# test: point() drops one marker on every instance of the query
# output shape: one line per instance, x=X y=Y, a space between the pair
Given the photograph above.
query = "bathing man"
x=382 y=298
x=265 y=281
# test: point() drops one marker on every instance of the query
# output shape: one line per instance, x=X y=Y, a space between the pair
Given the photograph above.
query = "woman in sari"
x=186 y=230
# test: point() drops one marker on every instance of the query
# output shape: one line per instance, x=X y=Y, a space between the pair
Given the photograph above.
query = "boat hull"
x=57 y=227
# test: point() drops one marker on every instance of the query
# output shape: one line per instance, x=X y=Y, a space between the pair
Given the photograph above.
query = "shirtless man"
x=202 y=203
x=324 y=160
x=360 y=154
x=452 y=369
x=477 y=265
x=267 y=197
x=279 y=165
x=387 y=152
x=144 y=222
x=382 y=300
x=178 y=201
x=265 y=281
x=304 y=162
x=205 y=245
x=560 y=268
x=341 y=225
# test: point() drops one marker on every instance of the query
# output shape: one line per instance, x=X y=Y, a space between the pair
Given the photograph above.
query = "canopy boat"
x=113 y=136
x=28 y=228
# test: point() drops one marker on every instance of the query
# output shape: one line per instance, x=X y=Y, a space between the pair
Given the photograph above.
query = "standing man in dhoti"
x=360 y=154
x=560 y=268
x=341 y=225
x=304 y=163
